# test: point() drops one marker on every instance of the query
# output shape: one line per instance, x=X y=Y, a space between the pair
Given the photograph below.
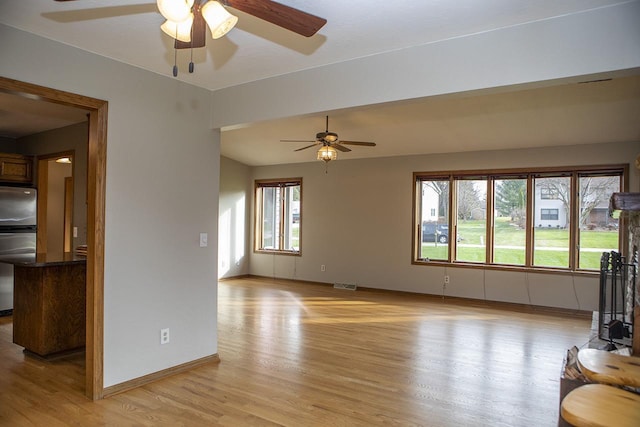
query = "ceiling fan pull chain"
x=191 y=66
x=175 y=62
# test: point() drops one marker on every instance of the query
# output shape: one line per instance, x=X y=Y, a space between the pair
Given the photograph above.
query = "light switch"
x=75 y=231
x=203 y=240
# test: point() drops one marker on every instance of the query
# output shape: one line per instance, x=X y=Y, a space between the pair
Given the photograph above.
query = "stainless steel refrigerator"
x=18 y=216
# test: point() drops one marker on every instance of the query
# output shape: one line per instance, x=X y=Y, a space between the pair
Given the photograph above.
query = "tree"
x=469 y=199
x=511 y=199
x=594 y=190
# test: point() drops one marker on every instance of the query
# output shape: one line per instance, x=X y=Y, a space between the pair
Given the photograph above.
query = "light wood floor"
x=308 y=355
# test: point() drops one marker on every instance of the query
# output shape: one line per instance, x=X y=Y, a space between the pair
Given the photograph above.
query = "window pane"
x=598 y=231
x=472 y=220
x=270 y=213
x=551 y=222
x=510 y=222
x=292 y=225
x=434 y=208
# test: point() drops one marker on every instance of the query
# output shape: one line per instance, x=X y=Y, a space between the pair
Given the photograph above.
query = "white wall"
x=162 y=191
x=236 y=197
x=357 y=222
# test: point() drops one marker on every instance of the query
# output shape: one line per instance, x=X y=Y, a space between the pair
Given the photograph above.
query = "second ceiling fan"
x=329 y=142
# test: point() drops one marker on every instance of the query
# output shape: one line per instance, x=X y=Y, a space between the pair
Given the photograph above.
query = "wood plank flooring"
x=299 y=354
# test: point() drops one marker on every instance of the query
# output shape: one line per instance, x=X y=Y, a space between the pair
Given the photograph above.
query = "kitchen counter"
x=42 y=260
x=49 y=302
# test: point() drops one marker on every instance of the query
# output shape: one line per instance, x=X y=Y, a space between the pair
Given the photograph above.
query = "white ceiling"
x=128 y=31
x=581 y=113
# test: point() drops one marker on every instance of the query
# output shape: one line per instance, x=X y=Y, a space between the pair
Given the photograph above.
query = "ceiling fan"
x=187 y=20
x=329 y=143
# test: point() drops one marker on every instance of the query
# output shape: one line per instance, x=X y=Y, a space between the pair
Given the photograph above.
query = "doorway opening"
x=57 y=222
x=96 y=179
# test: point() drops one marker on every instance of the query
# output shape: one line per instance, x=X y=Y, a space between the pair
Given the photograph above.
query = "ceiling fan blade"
x=297 y=140
x=341 y=148
x=304 y=148
x=366 y=144
x=103 y=12
x=283 y=16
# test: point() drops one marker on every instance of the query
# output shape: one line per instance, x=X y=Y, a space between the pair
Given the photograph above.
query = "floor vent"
x=347 y=286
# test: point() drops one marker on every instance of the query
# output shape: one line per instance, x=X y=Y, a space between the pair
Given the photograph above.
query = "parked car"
x=432 y=232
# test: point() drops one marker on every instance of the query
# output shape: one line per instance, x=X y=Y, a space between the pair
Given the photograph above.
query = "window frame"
x=574 y=172
x=547 y=193
x=549 y=215
x=259 y=185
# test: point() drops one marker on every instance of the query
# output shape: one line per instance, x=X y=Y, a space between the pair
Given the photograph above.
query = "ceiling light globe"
x=175 y=10
x=327 y=153
x=179 y=30
x=220 y=21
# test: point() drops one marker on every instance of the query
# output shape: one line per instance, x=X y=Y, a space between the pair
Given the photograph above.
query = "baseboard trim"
x=150 y=378
x=513 y=306
x=240 y=276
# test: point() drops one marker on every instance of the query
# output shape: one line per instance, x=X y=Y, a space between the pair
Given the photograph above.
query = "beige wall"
x=357 y=222
x=235 y=209
x=161 y=191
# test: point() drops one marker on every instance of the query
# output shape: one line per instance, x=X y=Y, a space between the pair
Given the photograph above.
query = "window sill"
x=277 y=252
x=501 y=267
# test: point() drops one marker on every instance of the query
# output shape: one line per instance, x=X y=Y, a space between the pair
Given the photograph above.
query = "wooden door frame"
x=96 y=186
x=67 y=238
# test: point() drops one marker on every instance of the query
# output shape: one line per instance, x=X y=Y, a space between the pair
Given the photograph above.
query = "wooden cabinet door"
x=16 y=168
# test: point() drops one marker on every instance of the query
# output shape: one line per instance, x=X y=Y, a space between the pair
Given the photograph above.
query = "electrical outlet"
x=446 y=280
x=164 y=336
x=323 y=268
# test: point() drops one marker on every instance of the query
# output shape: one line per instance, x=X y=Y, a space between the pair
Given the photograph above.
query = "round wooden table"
x=600 y=405
x=609 y=368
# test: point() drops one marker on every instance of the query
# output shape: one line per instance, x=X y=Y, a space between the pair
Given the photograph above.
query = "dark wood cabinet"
x=49 y=307
x=16 y=168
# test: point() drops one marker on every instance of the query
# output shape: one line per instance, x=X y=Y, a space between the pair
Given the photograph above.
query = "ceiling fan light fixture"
x=220 y=21
x=179 y=30
x=175 y=10
x=331 y=137
x=327 y=153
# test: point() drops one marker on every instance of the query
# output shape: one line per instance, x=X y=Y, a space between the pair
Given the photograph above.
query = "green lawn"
x=506 y=234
